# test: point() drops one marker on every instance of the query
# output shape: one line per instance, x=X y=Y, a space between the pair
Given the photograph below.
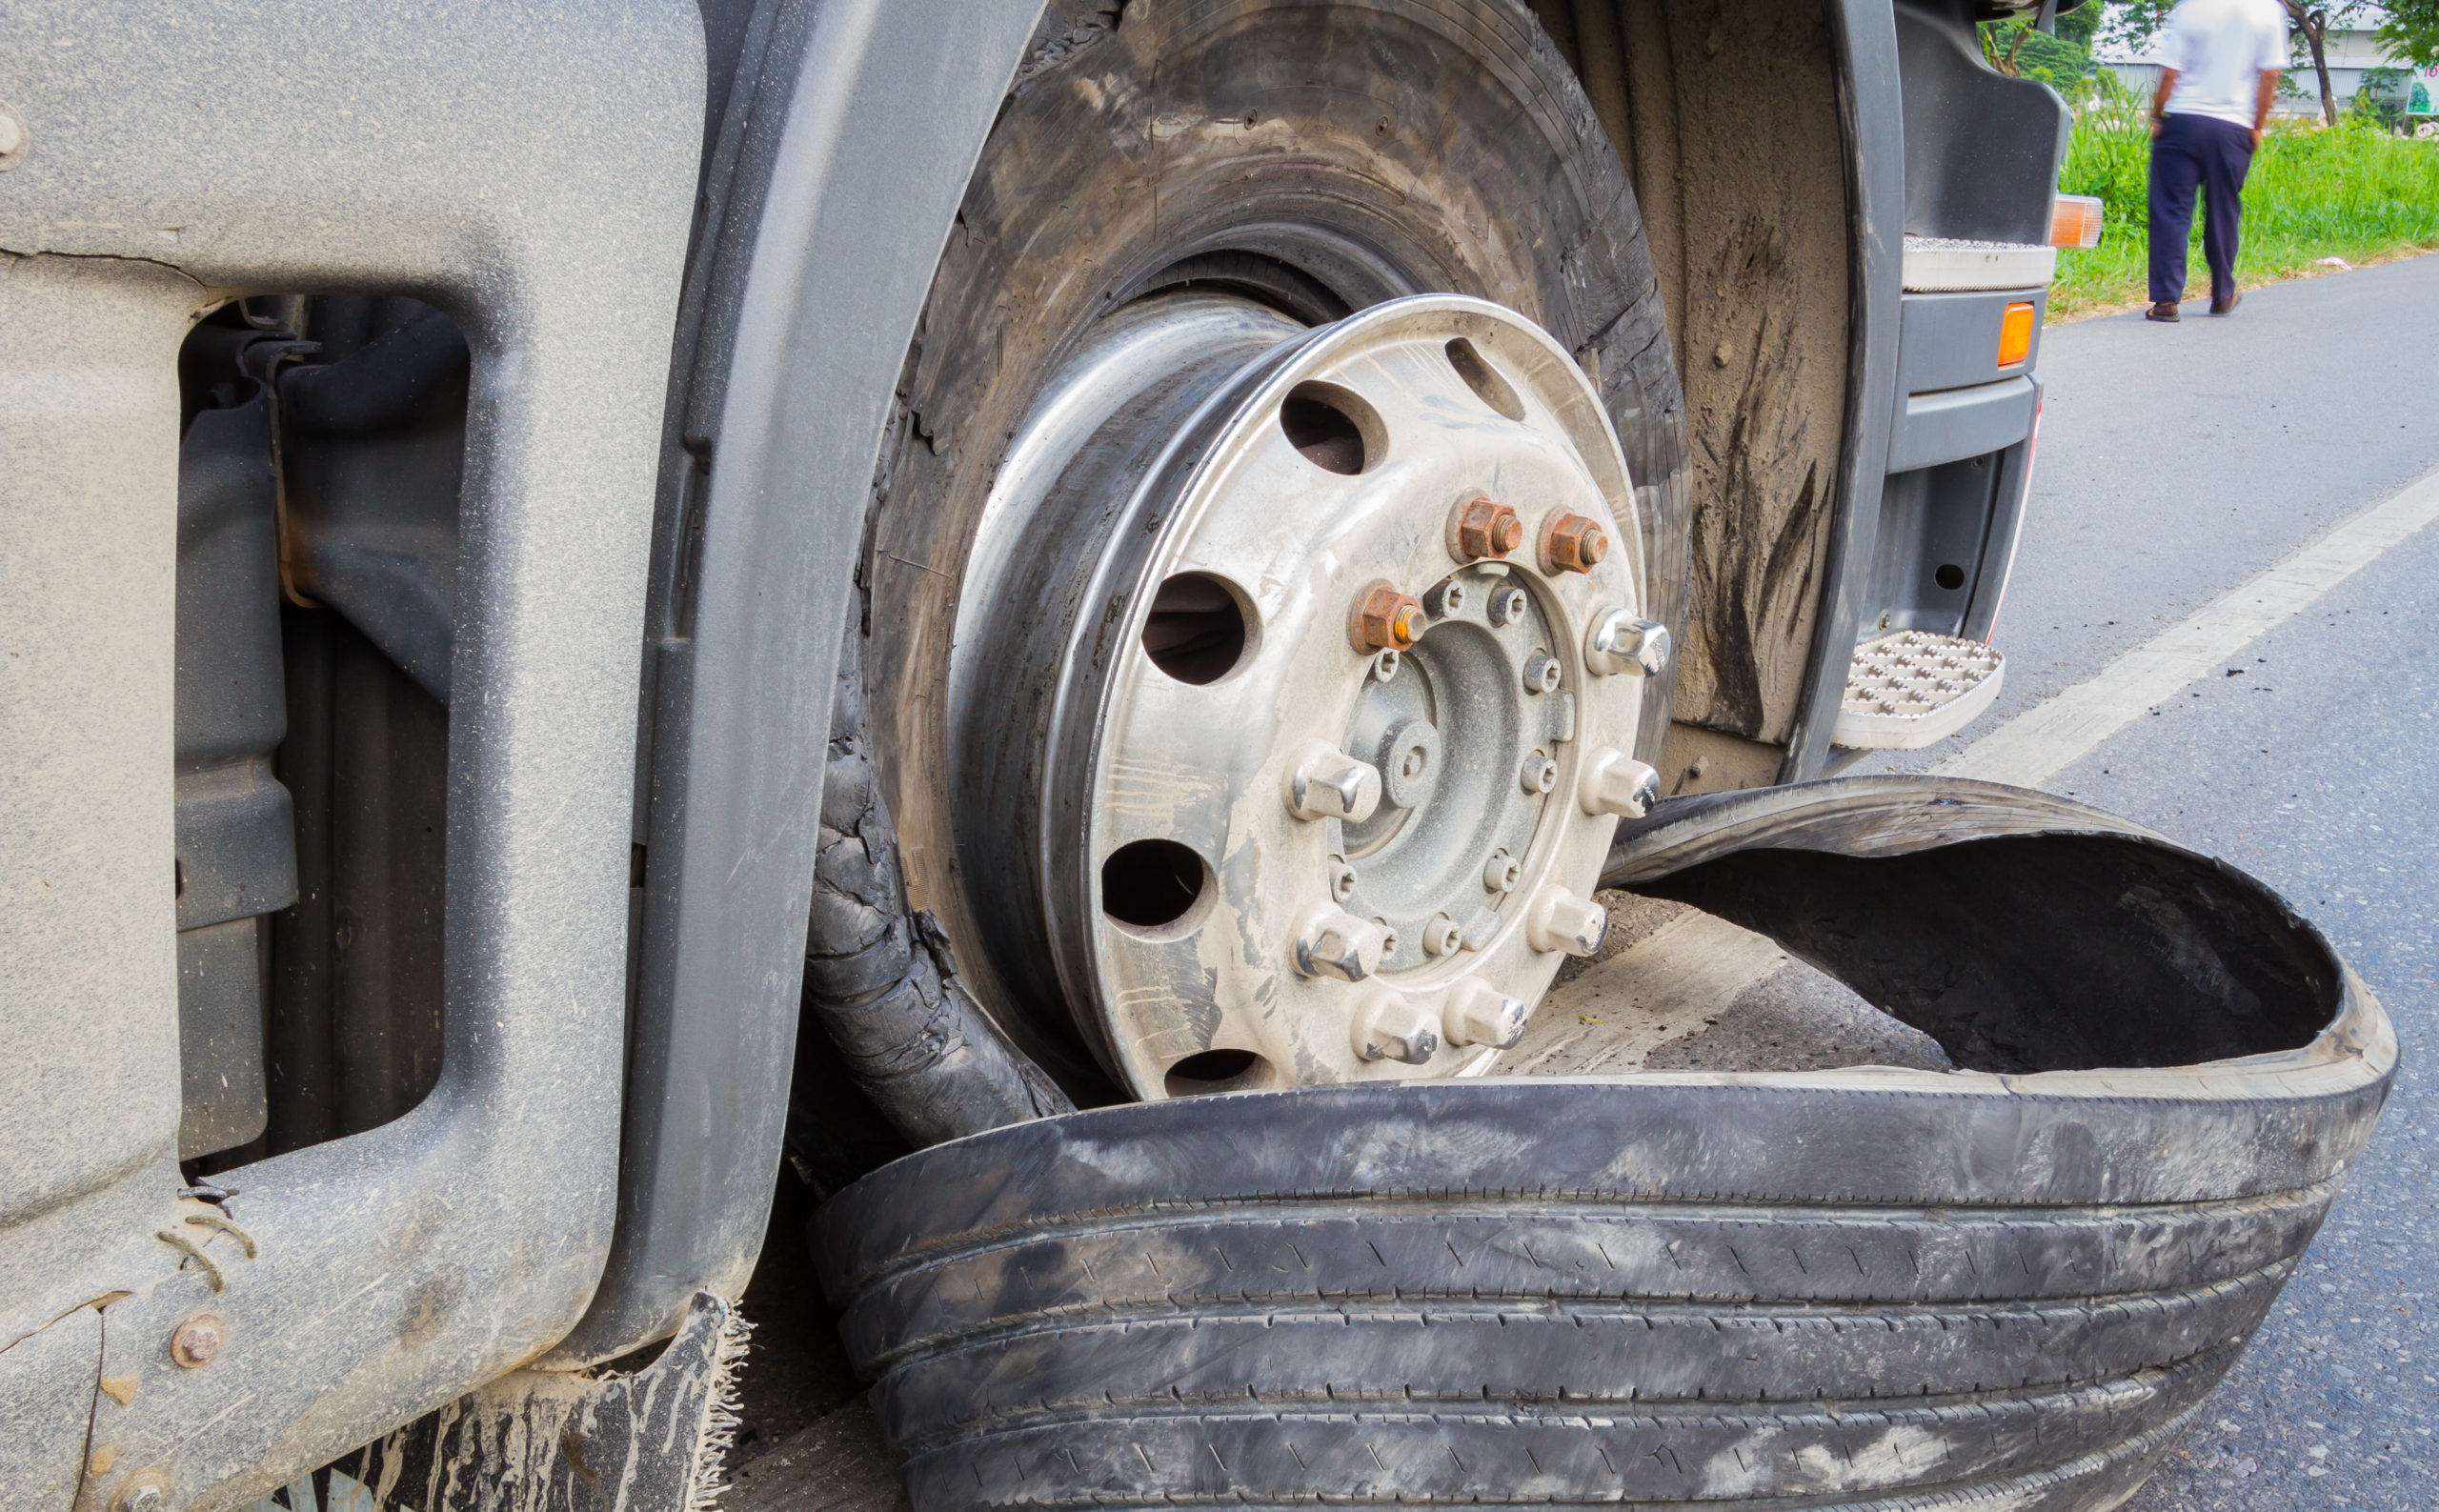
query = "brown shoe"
x=2165 y=310
x=2233 y=300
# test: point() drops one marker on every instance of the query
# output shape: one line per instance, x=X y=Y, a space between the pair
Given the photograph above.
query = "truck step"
x=1914 y=689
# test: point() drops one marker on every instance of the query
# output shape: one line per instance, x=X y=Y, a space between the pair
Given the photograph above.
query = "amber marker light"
x=2074 y=221
x=2015 y=334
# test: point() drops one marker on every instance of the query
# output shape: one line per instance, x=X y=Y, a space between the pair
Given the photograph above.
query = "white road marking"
x=2043 y=741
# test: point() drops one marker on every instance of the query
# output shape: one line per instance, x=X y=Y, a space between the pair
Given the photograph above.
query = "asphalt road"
x=2176 y=462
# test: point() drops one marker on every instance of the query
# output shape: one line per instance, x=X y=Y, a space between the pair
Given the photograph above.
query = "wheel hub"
x=1296 y=679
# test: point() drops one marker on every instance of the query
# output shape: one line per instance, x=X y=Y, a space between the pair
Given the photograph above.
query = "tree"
x=2411 y=31
x=2312 y=22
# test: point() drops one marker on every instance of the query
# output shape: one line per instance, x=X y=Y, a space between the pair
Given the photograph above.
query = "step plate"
x=1914 y=689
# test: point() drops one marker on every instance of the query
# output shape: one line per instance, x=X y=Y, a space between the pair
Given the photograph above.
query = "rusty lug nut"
x=1572 y=543
x=198 y=1341
x=1385 y=619
x=1481 y=528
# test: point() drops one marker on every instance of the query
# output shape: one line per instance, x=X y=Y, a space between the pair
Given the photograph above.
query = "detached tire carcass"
x=2003 y=1287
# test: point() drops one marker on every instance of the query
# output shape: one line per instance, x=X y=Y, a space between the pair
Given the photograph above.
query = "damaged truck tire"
x=1866 y=1287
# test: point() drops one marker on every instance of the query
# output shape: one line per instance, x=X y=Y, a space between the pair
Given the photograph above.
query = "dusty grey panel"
x=530 y=169
x=1951 y=341
x=220 y=1037
x=46 y=1401
x=865 y=124
x=372 y=447
x=1982 y=149
x=1958 y=423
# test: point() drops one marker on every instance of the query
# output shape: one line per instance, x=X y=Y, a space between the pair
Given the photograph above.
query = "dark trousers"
x=2214 y=153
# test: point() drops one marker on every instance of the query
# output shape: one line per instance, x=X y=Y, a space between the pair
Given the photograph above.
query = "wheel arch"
x=848 y=133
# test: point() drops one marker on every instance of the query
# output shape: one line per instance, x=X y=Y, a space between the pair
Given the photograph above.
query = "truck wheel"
x=1860 y=1288
x=1151 y=457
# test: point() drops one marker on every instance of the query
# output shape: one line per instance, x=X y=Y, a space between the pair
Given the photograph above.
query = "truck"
x=1046 y=623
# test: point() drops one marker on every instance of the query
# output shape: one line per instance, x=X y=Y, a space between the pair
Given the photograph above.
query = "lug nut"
x=1619 y=642
x=1502 y=872
x=1614 y=782
x=1572 y=543
x=198 y=1341
x=1342 y=880
x=1333 y=942
x=1479 y=528
x=1440 y=935
x=1560 y=921
x=1479 y=1013
x=1541 y=773
x=1387 y=1027
x=1324 y=782
x=1542 y=672
x=1506 y=607
x=1385 y=619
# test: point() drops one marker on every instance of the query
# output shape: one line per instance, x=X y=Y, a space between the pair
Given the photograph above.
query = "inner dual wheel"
x=1260 y=646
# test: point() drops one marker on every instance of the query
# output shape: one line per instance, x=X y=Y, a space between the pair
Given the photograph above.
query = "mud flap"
x=2009 y=1284
x=649 y=1439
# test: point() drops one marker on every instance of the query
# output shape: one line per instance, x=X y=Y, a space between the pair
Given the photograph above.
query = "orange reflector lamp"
x=2074 y=221
x=2015 y=334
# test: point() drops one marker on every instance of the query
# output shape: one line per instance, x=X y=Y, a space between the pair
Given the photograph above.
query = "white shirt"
x=2219 y=50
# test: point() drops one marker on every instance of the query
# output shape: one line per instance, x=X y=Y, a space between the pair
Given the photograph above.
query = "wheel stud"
x=1615 y=782
x=1619 y=642
x=1502 y=873
x=1389 y=1028
x=1324 y=782
x=1481 y=528
x=1333 y=942
x=1572 y=543
x=1541 y=773
x=1560 y=921
x=1542 y=672
x=1506 y=607
x=1479 y=1014
x=1342 y=880
x=1385 y=619
x=1440 y=935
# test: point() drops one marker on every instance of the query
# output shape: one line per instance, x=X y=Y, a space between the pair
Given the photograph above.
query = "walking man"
x=2222 y=62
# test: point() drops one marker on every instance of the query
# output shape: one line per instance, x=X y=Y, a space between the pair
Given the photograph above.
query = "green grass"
x=2354 y=191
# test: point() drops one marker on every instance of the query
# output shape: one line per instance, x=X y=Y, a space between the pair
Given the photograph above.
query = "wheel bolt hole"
x=1154 y=884
x=1483 y=379
x=1197 y=629
x=1335 y=431
x=1216 y=1071
x=1950 y=577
